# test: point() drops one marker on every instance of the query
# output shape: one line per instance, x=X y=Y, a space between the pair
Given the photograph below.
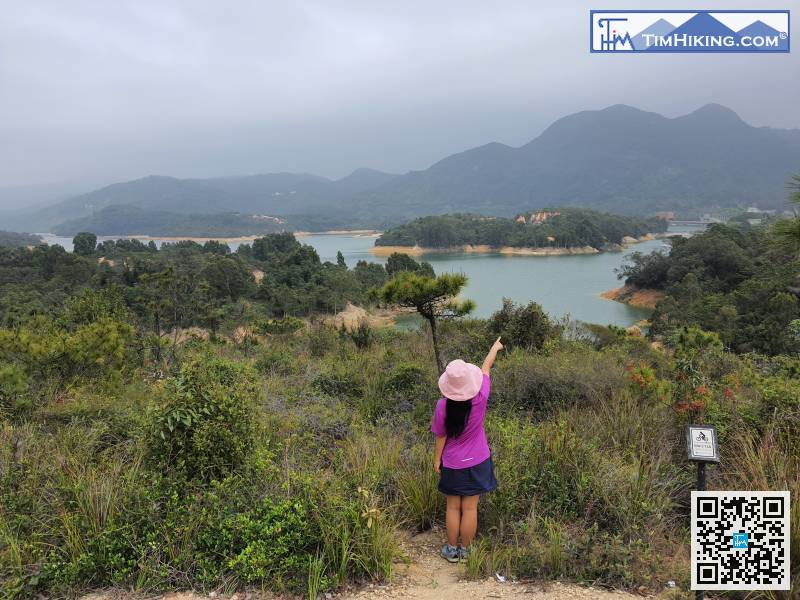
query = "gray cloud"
x=116 y=90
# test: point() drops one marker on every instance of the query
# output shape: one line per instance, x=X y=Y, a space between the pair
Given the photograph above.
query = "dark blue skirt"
x=471 y=481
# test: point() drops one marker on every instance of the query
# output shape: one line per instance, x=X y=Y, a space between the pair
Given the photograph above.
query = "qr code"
x=740 y=540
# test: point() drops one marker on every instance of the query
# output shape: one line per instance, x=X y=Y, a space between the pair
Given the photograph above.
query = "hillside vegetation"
x=184 y=283
x=161 y=430
x=740 y=282
x=567 y=227
x=11 y=239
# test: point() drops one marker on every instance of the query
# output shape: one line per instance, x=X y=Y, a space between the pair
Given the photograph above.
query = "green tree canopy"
x=84 y=243
x=399 y=262
x=433 y=298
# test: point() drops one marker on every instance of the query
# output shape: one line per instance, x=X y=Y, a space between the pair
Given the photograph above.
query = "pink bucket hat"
x=461 y=380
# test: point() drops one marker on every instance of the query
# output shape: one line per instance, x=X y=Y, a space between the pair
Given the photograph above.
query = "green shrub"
x=467 y=339
x=560 y=469
x=338 y=380
x=780 y=399
x=270 y=543
x=202 y=425
x=43 y=349
x=285 y=325
x=13 y=385
x=570 y=376
x=526 y=327
x=406 y=377
x=93 y=305
x=548 y=465
x=362 y=336
x=277 y=361
x=602 y=336
x=552 y=550
x=322 y=339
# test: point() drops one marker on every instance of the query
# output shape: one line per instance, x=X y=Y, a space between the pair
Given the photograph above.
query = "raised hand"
x=489 y=361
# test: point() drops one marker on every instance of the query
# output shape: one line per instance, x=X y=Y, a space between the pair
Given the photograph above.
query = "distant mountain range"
x=283 y=194
x=619 y=159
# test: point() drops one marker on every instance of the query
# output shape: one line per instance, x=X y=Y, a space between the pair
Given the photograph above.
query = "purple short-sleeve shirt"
x=470 y=448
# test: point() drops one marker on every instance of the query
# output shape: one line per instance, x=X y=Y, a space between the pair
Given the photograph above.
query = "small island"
x=544 y=232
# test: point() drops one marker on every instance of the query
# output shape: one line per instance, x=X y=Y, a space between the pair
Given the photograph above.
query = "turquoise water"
x=563 y=285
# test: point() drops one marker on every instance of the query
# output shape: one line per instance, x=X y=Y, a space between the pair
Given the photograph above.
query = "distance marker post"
x=702 y=448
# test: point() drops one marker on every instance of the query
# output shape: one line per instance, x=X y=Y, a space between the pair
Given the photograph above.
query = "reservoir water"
x=563 y=285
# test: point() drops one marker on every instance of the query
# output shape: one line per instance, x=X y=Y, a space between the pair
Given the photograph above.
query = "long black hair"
x=455 y=416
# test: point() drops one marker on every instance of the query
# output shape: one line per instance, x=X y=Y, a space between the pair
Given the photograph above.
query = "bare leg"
x=469 y=519
x=453 y=519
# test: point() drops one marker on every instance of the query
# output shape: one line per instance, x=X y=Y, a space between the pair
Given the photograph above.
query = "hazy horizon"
x=100 y=93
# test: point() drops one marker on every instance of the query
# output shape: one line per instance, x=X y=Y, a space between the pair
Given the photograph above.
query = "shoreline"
x=240 y=238
x=383 y=251
x=627 y=241
x=644 y=298
x=350 y=232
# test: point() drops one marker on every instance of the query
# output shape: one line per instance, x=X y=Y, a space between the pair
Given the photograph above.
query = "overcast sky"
x=104 y=91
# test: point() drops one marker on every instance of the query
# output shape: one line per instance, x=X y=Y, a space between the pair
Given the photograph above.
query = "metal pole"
x=701 y=487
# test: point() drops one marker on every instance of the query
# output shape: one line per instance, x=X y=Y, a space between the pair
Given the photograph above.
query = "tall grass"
x=421 y=503
x=316 y=577
x=768 y=462
x=371 y=458
x=359 y=539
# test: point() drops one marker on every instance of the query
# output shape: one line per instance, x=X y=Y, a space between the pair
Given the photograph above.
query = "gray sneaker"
x=463 y=553
x=450 y=553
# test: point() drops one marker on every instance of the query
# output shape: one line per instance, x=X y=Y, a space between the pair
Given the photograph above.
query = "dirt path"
x=429 y=577
x=426 y=576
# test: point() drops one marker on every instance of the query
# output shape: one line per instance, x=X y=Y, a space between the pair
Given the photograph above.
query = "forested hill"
x=740 y=282
x=129 y=220
x=559 y=228
x=11 y=239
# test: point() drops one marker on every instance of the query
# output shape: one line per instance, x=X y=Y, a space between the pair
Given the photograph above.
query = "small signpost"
x=701 y=446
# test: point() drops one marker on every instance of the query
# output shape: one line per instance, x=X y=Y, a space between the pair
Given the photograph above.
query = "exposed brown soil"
x=352 y=316
x=634 y=296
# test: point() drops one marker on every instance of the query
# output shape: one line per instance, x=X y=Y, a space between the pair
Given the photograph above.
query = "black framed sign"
x=701 y=443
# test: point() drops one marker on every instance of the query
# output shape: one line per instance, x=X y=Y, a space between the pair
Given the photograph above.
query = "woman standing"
x=462 y=457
